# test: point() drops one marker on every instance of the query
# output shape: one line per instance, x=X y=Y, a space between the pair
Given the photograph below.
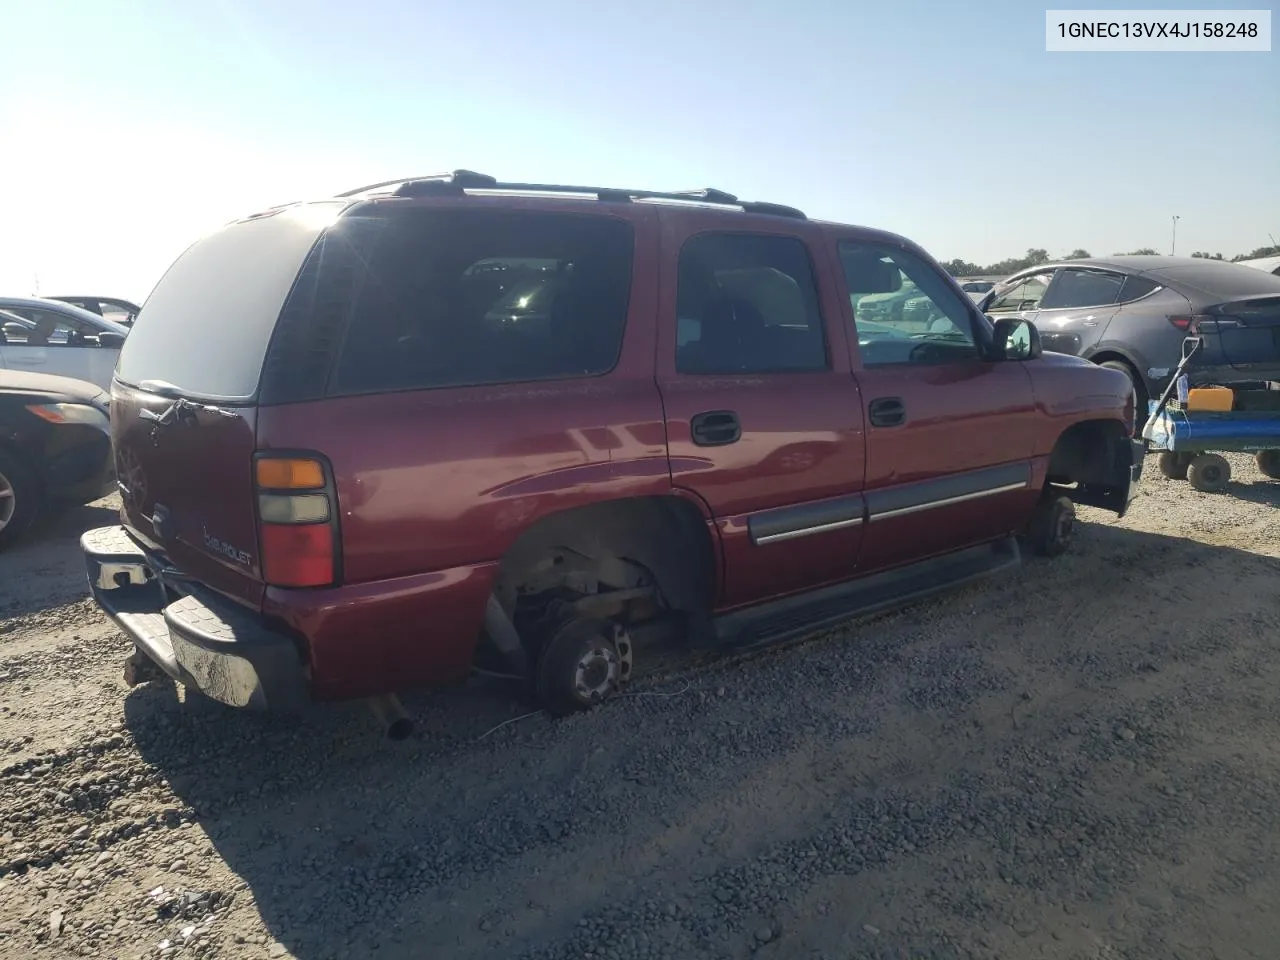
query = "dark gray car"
x=1132 y=314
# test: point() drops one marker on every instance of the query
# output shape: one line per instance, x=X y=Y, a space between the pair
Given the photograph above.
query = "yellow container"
x=1210 y=398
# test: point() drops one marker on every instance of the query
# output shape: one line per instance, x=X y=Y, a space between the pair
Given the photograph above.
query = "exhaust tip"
x=392 y=716
x=401 y=729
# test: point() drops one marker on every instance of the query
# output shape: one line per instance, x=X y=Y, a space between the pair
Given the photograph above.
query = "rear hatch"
x=184 y=400
x=1239 y=340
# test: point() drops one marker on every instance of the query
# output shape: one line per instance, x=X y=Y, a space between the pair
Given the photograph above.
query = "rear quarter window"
x=206 y=325
x=451 y=297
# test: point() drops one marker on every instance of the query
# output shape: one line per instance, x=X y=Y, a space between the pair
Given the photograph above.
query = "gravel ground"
x=1075 y=761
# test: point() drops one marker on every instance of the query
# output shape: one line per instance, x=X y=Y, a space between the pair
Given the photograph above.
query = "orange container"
x=1217 y=399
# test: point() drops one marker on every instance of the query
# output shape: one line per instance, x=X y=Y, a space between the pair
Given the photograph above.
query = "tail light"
x=297 y=521
x=1203 y=324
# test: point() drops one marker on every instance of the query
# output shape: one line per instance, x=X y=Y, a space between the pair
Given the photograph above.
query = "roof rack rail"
x=459 y=181
x=462 y=179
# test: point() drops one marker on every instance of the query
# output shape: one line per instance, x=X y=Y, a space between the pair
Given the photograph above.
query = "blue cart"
x=1191 y=441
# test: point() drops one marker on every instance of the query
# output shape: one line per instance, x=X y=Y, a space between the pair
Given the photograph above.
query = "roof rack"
x=460 y=181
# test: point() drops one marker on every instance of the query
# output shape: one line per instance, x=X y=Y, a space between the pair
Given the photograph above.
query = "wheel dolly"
x=1191 y=441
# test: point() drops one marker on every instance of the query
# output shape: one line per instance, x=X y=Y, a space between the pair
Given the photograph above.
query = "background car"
x=114 y=309
x=1132 y=313
x=1265 y=264
x=977 y=289
x=55 y=447
x=49 y=336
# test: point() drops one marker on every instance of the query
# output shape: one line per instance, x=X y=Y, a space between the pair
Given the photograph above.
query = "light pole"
x=1173 y=244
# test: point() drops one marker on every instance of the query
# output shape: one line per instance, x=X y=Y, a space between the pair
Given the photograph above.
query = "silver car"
x=49 y=336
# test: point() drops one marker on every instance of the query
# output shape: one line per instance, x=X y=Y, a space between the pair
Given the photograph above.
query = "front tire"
x=1053 y=526
x=19 y=498
x=1209 y=473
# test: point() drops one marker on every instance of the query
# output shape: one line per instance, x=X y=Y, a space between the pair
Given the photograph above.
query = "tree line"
x=1036 y=256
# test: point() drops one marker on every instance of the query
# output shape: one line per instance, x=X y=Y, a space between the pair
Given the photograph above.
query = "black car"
x=55 y=447
x=1132 y=314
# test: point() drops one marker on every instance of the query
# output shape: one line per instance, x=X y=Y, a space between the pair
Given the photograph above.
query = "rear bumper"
x=195 y=636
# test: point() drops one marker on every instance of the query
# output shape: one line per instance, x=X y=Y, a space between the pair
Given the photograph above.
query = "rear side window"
x=469 y=297
x=1136 y=287
x=206 y=325
x=747 y=303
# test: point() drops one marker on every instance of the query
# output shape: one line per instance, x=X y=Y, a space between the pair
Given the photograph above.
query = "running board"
x=796 y=616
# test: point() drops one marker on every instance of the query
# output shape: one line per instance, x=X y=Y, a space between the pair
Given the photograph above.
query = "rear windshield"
x=453 y=297
x=205 y=327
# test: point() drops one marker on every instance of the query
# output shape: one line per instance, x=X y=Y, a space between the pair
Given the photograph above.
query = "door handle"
x=887 y=412
x=715 y=428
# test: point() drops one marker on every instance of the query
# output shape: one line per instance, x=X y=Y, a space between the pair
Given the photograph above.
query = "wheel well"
x=1084 y=452
x=1106 y=356
x=660 y=542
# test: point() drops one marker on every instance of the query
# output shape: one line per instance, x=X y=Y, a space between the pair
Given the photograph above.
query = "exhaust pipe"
x=392 y=717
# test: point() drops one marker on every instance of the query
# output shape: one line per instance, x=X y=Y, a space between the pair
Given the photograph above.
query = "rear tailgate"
x=184 y=398
x=1240 y=340
x=185 y=474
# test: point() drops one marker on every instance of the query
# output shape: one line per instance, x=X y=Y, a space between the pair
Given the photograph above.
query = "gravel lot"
x=1079 y=760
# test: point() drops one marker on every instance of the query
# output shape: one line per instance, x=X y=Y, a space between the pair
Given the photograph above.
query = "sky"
x=129 y=128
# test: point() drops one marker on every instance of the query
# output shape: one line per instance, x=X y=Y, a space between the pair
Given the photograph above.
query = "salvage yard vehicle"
x=1129 y=313
x=55 y=448
x=123 y=312
x=56 y=338
x=364 y=468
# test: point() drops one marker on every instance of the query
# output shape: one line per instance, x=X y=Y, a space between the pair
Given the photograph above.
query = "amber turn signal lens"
x=289 y=474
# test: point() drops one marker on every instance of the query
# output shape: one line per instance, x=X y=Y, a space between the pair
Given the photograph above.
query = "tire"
x=1209 y=473
x=1269 y=463
x=1052 y=527
x=581 y=665
x=1139 y=392
x=1173 y=466
x=20 y=498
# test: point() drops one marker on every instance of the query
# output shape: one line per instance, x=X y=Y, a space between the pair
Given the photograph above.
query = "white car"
x=977 y=289
x=47 y=336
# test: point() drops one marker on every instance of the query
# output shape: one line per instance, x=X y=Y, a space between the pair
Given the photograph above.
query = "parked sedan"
x=977 y=289
x=1132 y=313
x=48 y=336
x=55 y=447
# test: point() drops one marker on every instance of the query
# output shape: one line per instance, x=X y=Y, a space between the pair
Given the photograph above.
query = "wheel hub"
x=1064 y=525
x=598 y=671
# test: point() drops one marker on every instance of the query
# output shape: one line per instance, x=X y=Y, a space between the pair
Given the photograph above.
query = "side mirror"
x=1016 y=339
x=111 y=340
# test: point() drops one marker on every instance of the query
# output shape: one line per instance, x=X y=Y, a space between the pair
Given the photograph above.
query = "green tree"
x=1258 y=254
x=961 y=268
x=1079 y=254
x=1144 y=252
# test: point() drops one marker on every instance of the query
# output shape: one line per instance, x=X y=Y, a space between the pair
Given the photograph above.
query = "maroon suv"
x=377 y=442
